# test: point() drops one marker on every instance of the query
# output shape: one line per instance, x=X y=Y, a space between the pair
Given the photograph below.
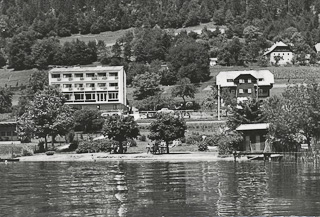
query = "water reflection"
x=158 y=189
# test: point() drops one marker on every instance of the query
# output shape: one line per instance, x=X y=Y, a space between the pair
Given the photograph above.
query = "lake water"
x=159 y=189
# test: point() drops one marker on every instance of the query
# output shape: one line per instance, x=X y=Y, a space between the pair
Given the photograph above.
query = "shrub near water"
x=95 y=146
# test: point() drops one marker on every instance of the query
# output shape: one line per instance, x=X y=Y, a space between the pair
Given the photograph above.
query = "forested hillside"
x=30 y=30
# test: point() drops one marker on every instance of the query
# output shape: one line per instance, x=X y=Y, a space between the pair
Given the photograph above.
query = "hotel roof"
x=223 y=77
x=87 y=68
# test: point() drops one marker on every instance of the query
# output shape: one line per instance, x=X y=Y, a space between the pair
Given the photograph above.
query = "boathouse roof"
x=261 y=126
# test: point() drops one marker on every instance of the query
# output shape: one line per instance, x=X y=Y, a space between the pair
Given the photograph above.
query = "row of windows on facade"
x=242 y=81
x=261 y=91
x=87 y=85
x=277 y=54
x=92 y=96
x=87 y=75
x=8 y=133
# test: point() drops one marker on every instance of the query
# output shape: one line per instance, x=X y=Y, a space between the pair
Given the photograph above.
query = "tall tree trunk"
x=46 y=143
x=52 y=140
x=120 y=147
x=167 y=144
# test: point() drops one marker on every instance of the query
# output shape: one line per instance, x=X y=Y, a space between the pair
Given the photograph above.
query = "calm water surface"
x=159 y=189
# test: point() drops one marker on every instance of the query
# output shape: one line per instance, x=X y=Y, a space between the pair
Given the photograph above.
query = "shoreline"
x=97 y=157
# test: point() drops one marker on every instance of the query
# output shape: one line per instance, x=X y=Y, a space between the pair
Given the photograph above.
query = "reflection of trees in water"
x=244 y=190
x=159 y=189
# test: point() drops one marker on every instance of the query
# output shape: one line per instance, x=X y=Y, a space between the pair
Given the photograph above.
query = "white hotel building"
x=100 y=87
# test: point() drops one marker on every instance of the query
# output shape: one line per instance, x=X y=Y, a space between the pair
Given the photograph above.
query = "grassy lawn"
x=108 y=37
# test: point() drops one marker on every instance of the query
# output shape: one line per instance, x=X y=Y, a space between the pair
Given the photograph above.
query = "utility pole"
x=219 y=101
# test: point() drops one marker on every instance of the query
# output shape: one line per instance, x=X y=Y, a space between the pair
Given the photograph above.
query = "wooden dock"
x=266 y=155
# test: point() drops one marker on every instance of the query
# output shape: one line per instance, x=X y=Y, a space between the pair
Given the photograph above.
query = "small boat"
x=9 y=159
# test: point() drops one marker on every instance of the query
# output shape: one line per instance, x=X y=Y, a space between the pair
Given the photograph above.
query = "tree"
x=88 y=121
x=47 y=115
x=184 y=89
x=120 y=128
x=19 y=54
x=168 y=128
x=3 y=60
x=295 y=117
x=5 y=100
x=189 y=59
x=210 y=102
x=146 y=85
x=246 y=112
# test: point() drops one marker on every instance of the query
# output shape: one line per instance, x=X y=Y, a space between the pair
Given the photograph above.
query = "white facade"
x=282 y=51
x=285 y=57
x=101 y=87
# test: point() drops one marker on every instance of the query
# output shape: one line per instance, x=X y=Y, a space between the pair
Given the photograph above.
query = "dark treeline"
x=62 y=18
x=30 y=29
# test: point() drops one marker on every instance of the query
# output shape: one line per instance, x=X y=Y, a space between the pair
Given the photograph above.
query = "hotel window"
x=90 y=85
x=249 y=91
x=78 y=75
x=101 y=84
x=14 y=133
x=67 y=96
x=113 y=85
x=67 y=85
x=78 y=96
x=57 y=85
x=113 y=74
x=113 y=96
x=78 y=85
x=90 y=75
x=249 y=80
x=67 y=75
x=240 y=90
x=55 y=75
x=90 y=96
x=3 y=133
x=102 y=74
x=241 y=81
x=8 y=133
x=229 y=80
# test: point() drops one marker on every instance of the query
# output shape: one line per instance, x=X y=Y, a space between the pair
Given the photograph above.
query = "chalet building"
x=8 y=131
x=281 y=51
x=254 y=137
x=246 y=84
x=100 y=87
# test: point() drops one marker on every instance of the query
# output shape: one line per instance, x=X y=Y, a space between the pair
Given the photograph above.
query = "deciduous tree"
x=183 y=89
x=167 y=128
x=120 y=128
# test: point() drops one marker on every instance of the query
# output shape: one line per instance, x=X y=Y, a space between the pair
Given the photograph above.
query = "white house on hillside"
x=279 y=50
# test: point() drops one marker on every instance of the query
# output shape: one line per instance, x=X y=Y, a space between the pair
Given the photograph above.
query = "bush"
x=102 y=145
x=143 y=138
x=73 y=145
x=202 y=146
x=194 y=139
x=229 y=142
x=25 y=151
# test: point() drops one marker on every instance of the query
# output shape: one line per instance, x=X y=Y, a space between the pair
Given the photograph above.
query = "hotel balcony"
x=111 y=78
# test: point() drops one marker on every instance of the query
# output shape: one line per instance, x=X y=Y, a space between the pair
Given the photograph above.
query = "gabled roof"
x=261 y=126
x=222 y=77
x=85 y=69
x=278 y=44
x=317 y=46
